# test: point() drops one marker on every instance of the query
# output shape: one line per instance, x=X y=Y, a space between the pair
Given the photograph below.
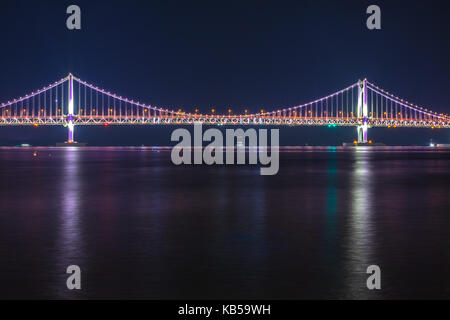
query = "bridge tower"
x=363 y=111
x=70 y=118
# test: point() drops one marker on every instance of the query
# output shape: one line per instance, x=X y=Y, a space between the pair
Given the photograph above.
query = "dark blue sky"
x=257 y=54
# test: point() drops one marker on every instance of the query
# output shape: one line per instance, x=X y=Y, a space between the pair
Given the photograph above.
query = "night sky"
x=226 y=54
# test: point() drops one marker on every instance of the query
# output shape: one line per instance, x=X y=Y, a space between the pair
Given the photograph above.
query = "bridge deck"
x=220 y=120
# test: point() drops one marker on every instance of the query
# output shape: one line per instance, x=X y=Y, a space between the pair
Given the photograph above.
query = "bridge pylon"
x=70 y=118
x=363 y=112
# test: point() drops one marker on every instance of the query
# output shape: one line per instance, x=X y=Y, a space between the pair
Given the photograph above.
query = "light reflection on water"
x=140 y=227
x=70 y=233
x=361 y=228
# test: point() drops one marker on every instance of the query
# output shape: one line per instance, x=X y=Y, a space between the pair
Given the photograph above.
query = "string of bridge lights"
x=126 y=100
x=33 y=94
x=312 y=102
x=401 y=101
x=114 y=96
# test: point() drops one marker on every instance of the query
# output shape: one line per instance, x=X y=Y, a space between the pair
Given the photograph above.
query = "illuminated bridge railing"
x=269 y=121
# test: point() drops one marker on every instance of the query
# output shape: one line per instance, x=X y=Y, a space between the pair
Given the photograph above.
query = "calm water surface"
x=140 y=227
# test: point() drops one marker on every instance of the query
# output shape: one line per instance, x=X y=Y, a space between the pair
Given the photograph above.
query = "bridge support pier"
x=363 y=112
x=362 y=133
x=71 y=127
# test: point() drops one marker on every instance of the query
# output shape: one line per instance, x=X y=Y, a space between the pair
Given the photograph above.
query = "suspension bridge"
x=73 y=102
